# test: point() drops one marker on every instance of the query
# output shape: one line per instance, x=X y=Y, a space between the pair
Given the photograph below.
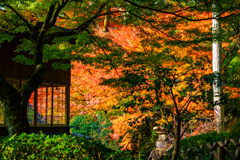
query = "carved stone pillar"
x=161 y=143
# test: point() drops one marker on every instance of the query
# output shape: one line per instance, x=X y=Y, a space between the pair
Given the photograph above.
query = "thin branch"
x=94 y=17
x=174 y=58
x=185 y=73
x=154 y=26
x=231 y=55
x=5 y=30
x=46 y=23
x=80 y=28
x=174 y=100
x=230 y=58
x=95 y=51
x=219 y=5
x=166 y=33
x=184 y=130
x=225 y=56
x=188 y=101
x=104 y=53
x=174 y=13
x=20 y=16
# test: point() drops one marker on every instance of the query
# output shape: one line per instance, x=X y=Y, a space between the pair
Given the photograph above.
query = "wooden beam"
x=67 y=101
x=35 y=107
x=52 y=106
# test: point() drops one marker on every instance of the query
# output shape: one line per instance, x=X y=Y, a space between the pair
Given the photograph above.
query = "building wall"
x=19 y=72
x=11 y=69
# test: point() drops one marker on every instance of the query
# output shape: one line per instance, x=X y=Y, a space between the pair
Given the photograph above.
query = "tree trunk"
x=14 y=109
x=177 y=141
x=216 y=65
x=14 y=103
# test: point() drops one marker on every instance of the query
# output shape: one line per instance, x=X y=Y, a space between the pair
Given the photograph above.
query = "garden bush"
x=234 y=132
x=39 y=146
x=202 y=139
x=97 y=127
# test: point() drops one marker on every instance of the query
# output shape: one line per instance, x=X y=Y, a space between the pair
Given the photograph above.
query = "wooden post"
x=52 y=106
x=46 y=113
x=67 y=101
x=221 y=153
x=35 y=107
x=216 y=66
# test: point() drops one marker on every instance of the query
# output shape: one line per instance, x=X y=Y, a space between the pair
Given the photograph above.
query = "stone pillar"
x=161 y=143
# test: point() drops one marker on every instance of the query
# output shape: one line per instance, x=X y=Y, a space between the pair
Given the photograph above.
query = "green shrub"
x=97 y=127
x=202 y=139
x=40 y=146
x=234 y=132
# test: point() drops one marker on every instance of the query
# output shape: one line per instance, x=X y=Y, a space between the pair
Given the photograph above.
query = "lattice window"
x=44 y=105
x=59 y=105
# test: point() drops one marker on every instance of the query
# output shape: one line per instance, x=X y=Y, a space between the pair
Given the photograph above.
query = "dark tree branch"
x=174 y=58
x=231 y=56
x=20 y=16
x=56 y=14
x=45 y=24
x=8 y=30
x=80 y=28
x=174 y=13
x=174 y=101
x=184 y=130
x=154 y=26
x=166 y=33
x=188 y=101
x=51 y=36
x=91 y=19
x=185 y=73
x=225 y=56
x=33 y=82
x=104 y=53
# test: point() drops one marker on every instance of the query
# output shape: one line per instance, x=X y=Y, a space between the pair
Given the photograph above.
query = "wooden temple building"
x=49 y=105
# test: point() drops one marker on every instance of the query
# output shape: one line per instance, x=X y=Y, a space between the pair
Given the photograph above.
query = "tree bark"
x=14 y=103
x=15 y=113
x=216 y=65
x=177 y=141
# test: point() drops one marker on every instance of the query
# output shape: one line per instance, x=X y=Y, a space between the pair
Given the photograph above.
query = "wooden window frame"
x=67 y=105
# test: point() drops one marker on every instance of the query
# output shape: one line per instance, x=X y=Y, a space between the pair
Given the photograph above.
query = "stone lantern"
x=161 y=143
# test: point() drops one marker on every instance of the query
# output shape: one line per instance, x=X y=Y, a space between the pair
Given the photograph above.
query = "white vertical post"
x=216 y=66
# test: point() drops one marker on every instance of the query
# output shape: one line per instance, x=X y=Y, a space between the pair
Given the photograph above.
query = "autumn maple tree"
x=40 y=18
x=188 y=64
x=156 y=53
